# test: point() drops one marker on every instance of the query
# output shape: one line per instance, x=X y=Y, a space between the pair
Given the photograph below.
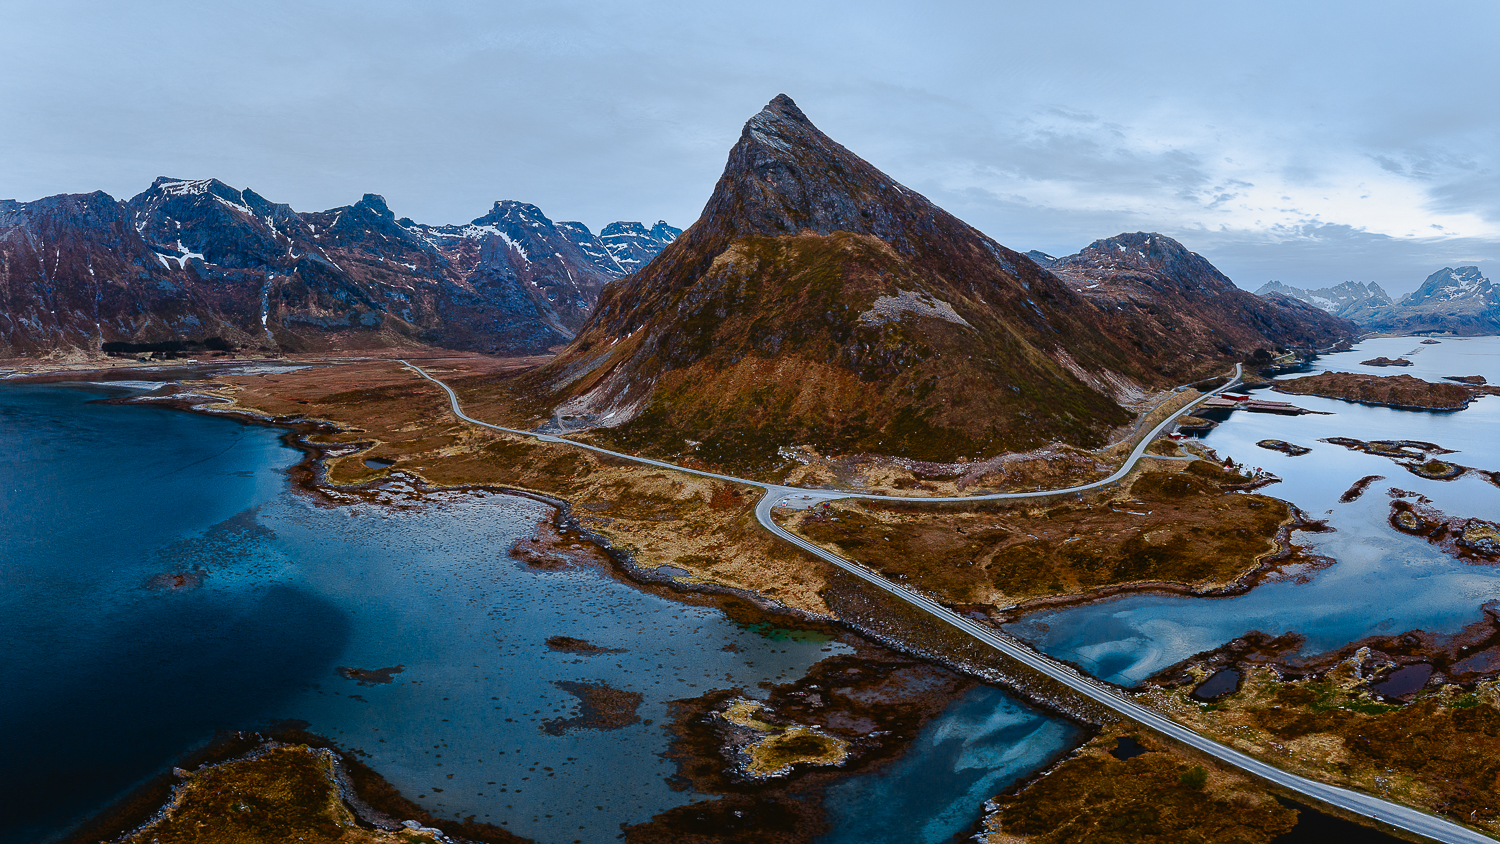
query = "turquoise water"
x=109 y=677
x=1383 y=582
x=981 y=745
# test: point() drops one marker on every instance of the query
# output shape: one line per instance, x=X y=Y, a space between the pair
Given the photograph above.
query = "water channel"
x=1384 y=581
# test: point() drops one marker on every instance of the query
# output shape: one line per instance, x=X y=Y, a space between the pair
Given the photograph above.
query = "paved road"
x=808 y=496
x=776 y=495
x=1405 y=818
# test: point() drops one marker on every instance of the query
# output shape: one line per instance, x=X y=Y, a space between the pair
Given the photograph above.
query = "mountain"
x=517 y=253
x=631 y=245
x=197 y=262
x=1343 y=300
x=1042 y=259
x=816 y=301
x=1178 y=311
x=1458 y=301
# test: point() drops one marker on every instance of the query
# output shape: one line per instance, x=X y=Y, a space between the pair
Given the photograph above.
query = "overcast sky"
x=1310 y=142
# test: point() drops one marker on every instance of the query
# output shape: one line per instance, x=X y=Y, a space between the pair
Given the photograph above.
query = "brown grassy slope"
x=778 y=355
x=1169 y=525
x=746 y=332
x=1440 y=753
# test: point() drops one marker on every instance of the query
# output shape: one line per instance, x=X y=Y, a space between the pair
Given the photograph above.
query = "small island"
x=1385 y=361
x=1403 y=391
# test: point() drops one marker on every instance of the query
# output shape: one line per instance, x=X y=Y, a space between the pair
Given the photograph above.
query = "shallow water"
x=112 y=672
x=975 y=749
x=1384 y=581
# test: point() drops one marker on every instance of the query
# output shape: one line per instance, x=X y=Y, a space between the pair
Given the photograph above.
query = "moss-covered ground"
x=1156 y=794
x=287 y=794
x=1440 y=752
x=1173 y=524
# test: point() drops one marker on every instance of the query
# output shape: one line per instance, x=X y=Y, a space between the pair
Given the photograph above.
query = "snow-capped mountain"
x=1340 y=300
x=1452 y=285
x=188 y=261
x=1457 y=301
x=632 y=245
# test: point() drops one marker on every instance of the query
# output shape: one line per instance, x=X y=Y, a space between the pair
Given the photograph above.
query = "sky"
x=1306 y=142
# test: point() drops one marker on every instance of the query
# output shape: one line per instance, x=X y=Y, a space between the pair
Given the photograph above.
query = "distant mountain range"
x=201 y=263
x=1456 y=301
x=818 y=301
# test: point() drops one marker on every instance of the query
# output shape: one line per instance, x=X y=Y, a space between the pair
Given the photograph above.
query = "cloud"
x=1267 y=127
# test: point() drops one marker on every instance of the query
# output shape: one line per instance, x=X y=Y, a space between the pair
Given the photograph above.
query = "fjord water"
x=111 y=672
x=1383 y=582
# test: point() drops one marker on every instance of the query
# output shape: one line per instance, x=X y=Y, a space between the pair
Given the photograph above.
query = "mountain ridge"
x=1179 y=311
x=1456 y=300
x=193 y=260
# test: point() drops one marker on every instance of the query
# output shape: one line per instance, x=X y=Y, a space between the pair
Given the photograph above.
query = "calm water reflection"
x=1384 y=581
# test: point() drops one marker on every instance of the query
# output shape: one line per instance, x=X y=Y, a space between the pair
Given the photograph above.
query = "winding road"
x=776 y=495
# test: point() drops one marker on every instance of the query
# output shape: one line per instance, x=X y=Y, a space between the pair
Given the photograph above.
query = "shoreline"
x=310 y=475
x=315 y=479
x=1264 y=566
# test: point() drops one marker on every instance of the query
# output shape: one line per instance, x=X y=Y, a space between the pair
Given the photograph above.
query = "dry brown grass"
x=1163 y=795
x=383 y=410
x=1166 y=525
x=1439 y=753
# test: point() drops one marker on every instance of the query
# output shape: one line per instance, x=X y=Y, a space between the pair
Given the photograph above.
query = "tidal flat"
x=473 y=647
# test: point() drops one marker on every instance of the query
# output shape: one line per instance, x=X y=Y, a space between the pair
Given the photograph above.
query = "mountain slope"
x=1180 y=314
x=817 y=301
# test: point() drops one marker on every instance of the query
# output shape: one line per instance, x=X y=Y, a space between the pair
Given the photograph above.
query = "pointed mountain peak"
x=376 y=204
x=510 y=209
x=785 y=176
x=782 y=106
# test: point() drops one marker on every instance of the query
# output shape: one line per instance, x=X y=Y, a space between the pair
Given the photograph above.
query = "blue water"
x=1383 y=582
x=107 y=680
x=978 y=747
